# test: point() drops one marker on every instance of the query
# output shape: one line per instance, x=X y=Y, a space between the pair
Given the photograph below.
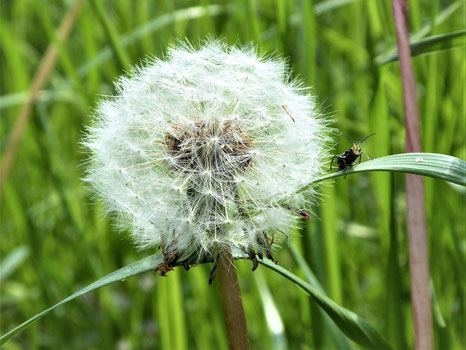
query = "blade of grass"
x=207 y=303
x=308 y=41
x=136 y=268
x=106 y=53
x=436 y=307
x=384 y=193
x=428 y=45
x=64 y=57
x=352 y=325
x=56 y=95
x=439 y=166
x=11 y=262
x=439 y=19
x=112 y=35
x=415 y=196
x=166 y=336
x=175 y=301
x=312 y=247
x=395 y=323
x=349 y=323
x=170 y=314
x=272 y=315
x=40 y=78
x=151 y=27
x=340 y=341
x=328 y=211
x=329 y=5
x=254 y=20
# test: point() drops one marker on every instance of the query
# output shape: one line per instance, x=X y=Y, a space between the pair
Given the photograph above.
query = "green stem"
x=112 y=35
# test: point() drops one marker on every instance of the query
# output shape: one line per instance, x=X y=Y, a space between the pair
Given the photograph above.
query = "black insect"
x=350 y=156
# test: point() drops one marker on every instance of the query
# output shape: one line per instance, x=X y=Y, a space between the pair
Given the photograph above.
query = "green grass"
x=55 y=238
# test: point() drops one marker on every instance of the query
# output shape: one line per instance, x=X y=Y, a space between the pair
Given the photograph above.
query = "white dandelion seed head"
x=196 y=152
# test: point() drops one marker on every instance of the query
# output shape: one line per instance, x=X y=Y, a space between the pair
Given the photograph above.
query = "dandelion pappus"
x=211 y=170
x=350 y=156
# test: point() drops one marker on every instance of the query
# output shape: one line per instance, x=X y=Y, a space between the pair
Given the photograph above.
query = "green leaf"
x=427 y=45
x=112 y=35
x=12 y=261
x=136 y=268
x=340 y=340
x=438 y=317
x=149 y=28
x=123 y=42
x=428 y=164
x=438 y=19
x=351 y=324
x=272 y=315
x=329 y=5
x=439 y=166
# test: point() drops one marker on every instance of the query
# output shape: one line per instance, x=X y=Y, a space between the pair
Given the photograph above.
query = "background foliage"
x=55 y=238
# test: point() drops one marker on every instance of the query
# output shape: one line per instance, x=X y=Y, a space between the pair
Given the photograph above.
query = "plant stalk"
x=415 y=196
x=112 y=35
x=40 y=79
x=233 y=312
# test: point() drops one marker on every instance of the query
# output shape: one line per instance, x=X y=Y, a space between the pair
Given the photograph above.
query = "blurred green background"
x=56 y=239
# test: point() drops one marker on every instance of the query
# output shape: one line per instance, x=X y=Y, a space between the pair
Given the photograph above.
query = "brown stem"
x=416 y=214
x=235 y=321
x=43 y=72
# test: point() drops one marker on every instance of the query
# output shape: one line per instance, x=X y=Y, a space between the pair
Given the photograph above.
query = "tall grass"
x=55 y=238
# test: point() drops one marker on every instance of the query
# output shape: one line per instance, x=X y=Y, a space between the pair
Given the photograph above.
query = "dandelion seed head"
x=195 y=151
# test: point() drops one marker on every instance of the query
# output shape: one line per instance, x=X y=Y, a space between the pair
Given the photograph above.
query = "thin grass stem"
x=40 y=79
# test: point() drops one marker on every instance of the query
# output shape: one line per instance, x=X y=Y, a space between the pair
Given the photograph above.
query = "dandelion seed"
x=194 y=152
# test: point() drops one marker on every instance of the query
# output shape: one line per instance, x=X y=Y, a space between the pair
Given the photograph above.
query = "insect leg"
x=366 y=155
x=331 y=163
x=344 y=177
x=346 y=167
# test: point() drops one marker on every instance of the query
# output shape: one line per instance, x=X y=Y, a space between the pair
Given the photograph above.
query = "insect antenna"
x=364 y=139
x=348 y=139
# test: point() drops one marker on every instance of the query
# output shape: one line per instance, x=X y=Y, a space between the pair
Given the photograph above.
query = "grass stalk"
x=112 y=35
x=233 y=312
x=40 y=79
x=415 y=196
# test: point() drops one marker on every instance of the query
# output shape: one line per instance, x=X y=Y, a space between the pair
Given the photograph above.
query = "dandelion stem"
x=235 y=321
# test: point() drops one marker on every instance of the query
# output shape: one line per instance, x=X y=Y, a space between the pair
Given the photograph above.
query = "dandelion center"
x=216 y=149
